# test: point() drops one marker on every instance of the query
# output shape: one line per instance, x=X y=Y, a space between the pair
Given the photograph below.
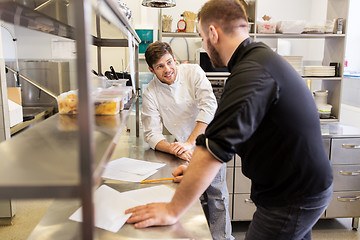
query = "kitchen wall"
x=352 y=54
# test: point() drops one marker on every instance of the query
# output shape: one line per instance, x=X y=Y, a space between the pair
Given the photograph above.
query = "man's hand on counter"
x=179 y=172
x=152 y=214
x=178 y=148
x=186 y=155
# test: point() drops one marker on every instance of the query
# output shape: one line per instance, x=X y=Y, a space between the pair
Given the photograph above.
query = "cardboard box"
x=15 y=113
x=14 y=94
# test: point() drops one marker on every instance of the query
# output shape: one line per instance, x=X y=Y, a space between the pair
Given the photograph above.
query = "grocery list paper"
x=130 y=170
x=110 y=205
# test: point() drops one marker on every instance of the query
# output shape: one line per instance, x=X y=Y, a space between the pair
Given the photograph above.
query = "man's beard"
x=214 y=56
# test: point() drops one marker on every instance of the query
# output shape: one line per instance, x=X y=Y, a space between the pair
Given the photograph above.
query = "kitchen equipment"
x=202 y=58
x=48 y=75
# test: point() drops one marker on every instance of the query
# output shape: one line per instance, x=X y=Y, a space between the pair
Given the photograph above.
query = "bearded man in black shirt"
x=268 y=117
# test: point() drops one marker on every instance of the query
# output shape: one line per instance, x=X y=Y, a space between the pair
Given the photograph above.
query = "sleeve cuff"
x=216 y=150
x=155 y=140
x=204 y=117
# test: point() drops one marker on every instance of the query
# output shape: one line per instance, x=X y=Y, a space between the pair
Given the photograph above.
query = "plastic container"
x=290 y=27
x=107 y=105
x=320 y=97
x=127 y=91
x=266 y=27
x=324 y=110
x=68 y=102
x=117 y=82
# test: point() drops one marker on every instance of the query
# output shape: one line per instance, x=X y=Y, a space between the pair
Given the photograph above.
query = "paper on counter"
x=160 y=193
x=131 y=170
x=110 y=208
x=110 y=205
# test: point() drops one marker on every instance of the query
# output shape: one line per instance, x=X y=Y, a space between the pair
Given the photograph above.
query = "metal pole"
x=86 y=117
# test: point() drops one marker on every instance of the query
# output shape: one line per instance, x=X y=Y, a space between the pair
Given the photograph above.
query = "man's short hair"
x=224 y=13
x=155 y=51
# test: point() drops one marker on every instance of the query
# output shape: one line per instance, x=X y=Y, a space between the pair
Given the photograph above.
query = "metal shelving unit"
x=64 y=156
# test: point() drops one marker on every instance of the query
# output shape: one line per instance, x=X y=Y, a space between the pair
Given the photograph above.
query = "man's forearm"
x=199 y=129
x=163 y=146
x=200 y=173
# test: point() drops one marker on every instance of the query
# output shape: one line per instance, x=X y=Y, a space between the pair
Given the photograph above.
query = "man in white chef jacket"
x=181 y=99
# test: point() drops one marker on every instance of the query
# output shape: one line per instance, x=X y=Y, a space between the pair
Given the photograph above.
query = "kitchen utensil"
x=113 y=72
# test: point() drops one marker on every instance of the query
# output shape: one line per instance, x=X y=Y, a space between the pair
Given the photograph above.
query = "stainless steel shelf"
x=180 y=34
x=110 y=11
x=20 y=15
x=23 y=16
x=43 y=161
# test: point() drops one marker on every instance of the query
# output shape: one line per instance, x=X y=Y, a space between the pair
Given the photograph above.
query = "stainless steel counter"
x=338 y=130
x=43 y=161
x=192 y=225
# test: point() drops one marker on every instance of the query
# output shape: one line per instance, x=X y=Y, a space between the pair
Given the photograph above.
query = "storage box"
x=107 y=105
x=68 y=102
x=266 y=27
x=290 y=27
x=14 y=94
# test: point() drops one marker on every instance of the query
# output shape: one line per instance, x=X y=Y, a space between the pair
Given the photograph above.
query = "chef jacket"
x=268 y=116
x=178 y=106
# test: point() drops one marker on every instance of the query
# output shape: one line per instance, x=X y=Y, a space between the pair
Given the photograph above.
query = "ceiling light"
x=159 y=3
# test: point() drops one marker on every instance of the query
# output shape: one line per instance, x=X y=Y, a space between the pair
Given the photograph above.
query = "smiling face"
x=165 y=69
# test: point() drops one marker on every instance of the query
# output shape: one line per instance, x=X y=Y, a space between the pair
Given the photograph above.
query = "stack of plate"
x=319 y=71
x=295 y=62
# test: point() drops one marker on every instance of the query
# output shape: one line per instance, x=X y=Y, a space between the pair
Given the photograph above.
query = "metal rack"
x=64 y=156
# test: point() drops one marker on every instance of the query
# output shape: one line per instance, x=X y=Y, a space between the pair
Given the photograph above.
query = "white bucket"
x=320 y=97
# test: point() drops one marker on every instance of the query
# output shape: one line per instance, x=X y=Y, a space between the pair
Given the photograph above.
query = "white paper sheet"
x=159 y=193
x=131 y=170
x=110 y=205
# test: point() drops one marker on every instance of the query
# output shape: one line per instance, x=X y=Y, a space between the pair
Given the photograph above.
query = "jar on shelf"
x=181 y=25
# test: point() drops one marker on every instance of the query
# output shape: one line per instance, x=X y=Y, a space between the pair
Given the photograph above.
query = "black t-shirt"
x=267 y=115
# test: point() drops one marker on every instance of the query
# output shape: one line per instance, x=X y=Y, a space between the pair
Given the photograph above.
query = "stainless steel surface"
x=110 y=11
x=242 y=183
x=243 y=209
x=327 y=143
x=49 y=165
x=55 y=224
x=338 y=130
x=23 y=14
x=36 y=113
x=344 y=204
x=42 y=161
x=86 y=135
x=32 y=82
x=340 y=155
x=346 y=177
